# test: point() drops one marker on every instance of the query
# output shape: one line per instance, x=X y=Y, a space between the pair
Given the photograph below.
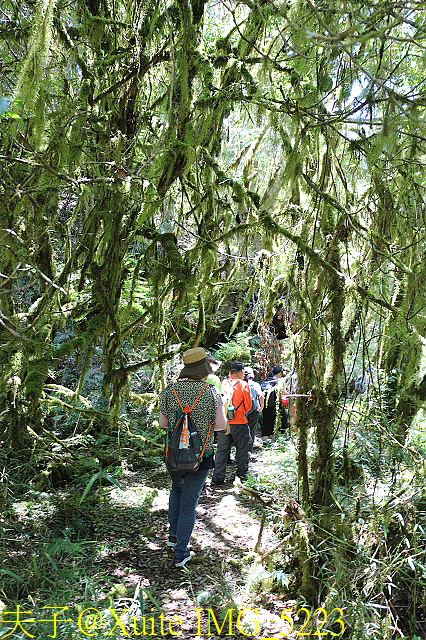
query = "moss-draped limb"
x=304 y=249
x=402 y=351
x=180 y=137
x=38 y=354
x=30 y=76
x=132 y=368
x=201 y=324
x=68 y=347
x=243 y=305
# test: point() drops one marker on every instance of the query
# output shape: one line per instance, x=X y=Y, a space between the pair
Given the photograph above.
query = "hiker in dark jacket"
x=269 y=412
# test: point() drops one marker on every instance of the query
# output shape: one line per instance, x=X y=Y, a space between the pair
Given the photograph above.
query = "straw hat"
x=196 y=363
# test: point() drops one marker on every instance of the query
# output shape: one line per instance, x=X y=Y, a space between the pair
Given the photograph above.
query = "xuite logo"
x=92 y=622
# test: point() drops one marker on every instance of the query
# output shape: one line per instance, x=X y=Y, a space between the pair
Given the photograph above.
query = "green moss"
x=222 y=44
x=68 y=347
x=35 y=379
x=30 y=76
x=238 y=189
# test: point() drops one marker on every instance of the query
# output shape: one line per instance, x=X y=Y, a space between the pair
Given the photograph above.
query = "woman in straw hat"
x=208 y=411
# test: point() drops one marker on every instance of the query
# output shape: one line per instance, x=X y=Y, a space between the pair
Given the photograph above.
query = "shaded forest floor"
x=95 y=548
x=110 y=553
x=217 y=578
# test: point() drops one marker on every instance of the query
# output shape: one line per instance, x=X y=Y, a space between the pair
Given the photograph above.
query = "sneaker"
x=181 y=562
x=240 y=479
x=215 y=482
x=171 y=542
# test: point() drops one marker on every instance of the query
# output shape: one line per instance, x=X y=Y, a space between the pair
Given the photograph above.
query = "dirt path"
x=219 y=576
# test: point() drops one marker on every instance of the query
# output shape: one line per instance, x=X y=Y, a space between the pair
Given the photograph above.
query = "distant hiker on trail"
x=208 y=415
x=237 y=391
x=257 y=405
x=269 y=412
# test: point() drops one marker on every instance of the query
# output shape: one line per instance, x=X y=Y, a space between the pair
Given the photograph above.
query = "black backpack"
x=183 y=450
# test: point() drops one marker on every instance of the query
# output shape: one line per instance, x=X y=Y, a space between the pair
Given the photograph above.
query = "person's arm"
x=221 y=422
x=164 y=421
x=259 y=394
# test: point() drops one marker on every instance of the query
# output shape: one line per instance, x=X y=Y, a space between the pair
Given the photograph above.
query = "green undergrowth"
x=59 y=545
x=367 y=551
x=89 y=539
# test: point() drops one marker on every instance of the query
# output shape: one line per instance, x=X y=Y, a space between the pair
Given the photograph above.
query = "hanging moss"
x=30 y=76
x=77 y=133
x=273 y=291
x=94 y=24
x=252 y=86
x=35 y=380
x=68 y=347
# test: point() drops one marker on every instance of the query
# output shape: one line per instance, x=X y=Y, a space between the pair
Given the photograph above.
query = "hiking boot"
x=215 y=482
x=181 y=562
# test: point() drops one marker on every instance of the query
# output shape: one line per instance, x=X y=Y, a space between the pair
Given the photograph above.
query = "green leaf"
x=89 y=486
x=52 y=562
x=336 y=501
x=11 y=574
x=110 y=479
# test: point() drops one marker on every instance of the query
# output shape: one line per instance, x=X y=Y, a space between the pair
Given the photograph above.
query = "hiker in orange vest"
x=237 y=389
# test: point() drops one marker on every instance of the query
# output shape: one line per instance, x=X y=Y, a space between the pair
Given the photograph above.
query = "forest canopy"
x=174 y=172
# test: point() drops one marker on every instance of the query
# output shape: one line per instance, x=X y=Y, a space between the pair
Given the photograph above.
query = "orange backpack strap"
x=207 y=437
x=187 y=409
x=197 y=398
x=174 y=391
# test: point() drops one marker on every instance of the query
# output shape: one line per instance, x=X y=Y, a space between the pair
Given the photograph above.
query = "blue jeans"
x=184 y=494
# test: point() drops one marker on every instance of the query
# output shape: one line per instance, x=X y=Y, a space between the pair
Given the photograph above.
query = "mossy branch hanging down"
x=30 y=76
x=201 y=325
x=304 y=249
x=243 y=305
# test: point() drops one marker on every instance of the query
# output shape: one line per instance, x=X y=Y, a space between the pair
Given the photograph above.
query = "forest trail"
x=220 y=574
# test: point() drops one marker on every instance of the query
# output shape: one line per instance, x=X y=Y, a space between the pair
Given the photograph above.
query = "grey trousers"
x=253 y=421
x=241 y=439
